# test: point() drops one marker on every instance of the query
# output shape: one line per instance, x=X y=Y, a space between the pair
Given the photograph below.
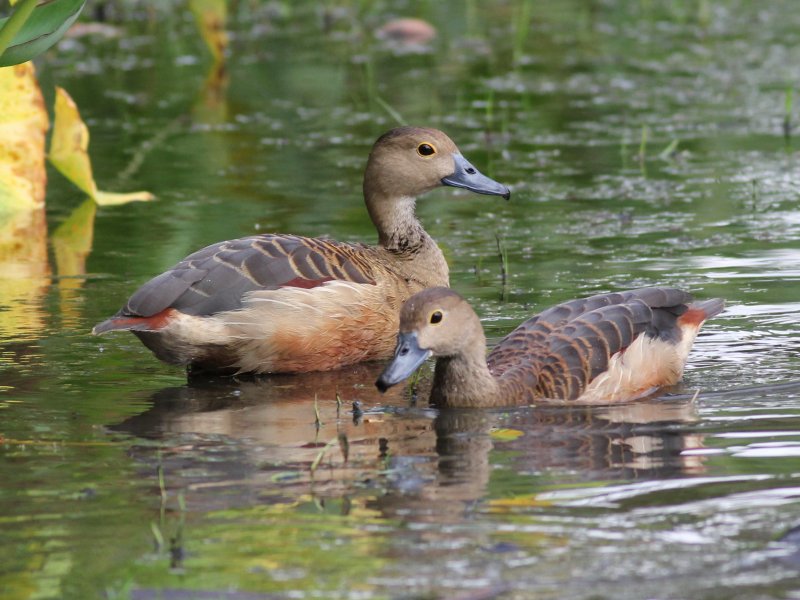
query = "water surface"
x=644 y=145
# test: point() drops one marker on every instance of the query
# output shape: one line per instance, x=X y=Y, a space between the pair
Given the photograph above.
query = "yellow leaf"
x=23 y=230
x=211 y=106
x=72 y=242
x=17 y=193
x=521 y=501
x=69 y=153
x=24 y=269
x=70 y=143
x=23 y=124
x=505 y=435
x=112 y=199
x=211 y=16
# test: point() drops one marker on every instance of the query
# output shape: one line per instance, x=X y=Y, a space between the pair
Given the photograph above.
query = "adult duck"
x=284 y=303
x=603 y=349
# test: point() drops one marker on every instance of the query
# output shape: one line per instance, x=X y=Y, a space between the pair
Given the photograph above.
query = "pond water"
x=645 y=143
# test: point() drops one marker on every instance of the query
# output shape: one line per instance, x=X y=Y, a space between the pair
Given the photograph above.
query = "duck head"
x=408 y=161
x=436 y=322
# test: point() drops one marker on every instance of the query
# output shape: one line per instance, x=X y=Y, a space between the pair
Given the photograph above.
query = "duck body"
x=604 y=349
x=278 y=303
x=275 y=303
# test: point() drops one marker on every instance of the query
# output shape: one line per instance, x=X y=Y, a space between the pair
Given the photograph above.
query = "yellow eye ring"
x=436 y=317
x=426 y=149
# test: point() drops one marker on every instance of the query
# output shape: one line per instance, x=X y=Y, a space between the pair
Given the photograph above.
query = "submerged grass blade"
x=389 y=109
x=643 y=144
x=317 y=420
x=502 y=251
x=321 y=454
x=669 y=151
x=522 y=22
x=643 y=151
x=157 y=536
x=344 y=445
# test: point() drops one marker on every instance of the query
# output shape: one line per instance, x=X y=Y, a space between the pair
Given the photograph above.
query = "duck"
x=281 y=303
x=604 y=349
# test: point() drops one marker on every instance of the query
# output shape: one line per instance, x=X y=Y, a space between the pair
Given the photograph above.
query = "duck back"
x=601 y=349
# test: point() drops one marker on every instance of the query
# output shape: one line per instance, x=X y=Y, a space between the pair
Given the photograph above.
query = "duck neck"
x=465 y=381
x=407 y=246
x=399 y=230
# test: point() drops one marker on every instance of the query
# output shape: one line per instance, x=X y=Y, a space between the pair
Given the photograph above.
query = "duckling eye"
x=436 y=317
x=426 y=149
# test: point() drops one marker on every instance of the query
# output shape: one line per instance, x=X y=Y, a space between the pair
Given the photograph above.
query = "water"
x=122 y=480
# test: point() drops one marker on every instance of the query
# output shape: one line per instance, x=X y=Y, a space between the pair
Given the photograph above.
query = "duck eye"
x=436 y=317
x=426 y=149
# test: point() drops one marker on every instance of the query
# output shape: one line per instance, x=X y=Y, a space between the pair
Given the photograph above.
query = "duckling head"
x=436 y=322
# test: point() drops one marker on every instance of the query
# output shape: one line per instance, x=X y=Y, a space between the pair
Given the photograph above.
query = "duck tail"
x=699 y=312
x=134 y=323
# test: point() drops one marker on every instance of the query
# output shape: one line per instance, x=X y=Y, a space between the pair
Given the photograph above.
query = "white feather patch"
x=642 y=368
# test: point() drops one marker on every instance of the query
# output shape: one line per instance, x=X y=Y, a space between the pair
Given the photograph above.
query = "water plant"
x=317 y=420
x=522 y=20
x=321 y=454
x=669 y=151
x=30 y=29
x=502 y=252
x=413 y=381
x=642 y=155
x=788 y=101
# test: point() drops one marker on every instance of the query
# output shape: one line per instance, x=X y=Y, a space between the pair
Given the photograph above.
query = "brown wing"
x=560 y=351
x=218 y=277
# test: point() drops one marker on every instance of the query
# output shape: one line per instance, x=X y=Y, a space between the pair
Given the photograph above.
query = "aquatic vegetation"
x=675 y=498
x=32 y=29
x=68 y=152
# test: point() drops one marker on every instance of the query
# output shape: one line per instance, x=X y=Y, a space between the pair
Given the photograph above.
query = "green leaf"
x=43 y=28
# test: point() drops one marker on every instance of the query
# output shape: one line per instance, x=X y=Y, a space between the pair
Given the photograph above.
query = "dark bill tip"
x=468 y=177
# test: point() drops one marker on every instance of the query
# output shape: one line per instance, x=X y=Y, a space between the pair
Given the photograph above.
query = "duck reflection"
x=283 y=438
x=483 y=454
x=265 y=434
x=618 y=441
x=284 y=411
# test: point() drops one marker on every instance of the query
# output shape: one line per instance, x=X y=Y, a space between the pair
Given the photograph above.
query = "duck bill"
x=408 y=357
x=468 y=177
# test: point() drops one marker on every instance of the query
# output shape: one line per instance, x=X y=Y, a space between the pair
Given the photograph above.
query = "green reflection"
x=600 y=502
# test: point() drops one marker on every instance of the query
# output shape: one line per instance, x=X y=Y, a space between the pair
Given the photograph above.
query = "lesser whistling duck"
x=284 y=303
x=602 y=349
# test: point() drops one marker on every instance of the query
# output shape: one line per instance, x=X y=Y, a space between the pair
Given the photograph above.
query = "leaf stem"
x=15 y=23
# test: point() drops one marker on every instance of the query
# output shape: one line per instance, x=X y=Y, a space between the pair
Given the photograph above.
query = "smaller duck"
x=604 y=349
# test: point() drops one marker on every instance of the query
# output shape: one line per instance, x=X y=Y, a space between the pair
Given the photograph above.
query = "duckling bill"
x=603 y=349
x=279 y=303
